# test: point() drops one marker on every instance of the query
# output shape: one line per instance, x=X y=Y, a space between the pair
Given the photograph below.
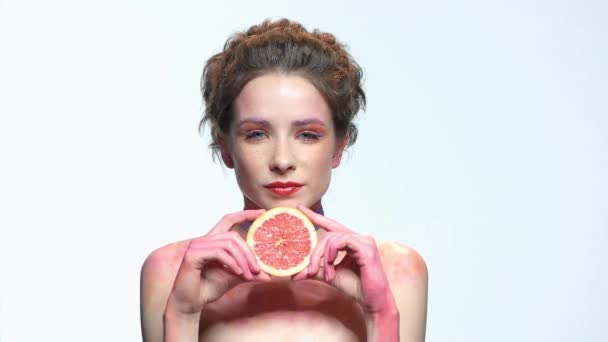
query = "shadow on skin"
x=312 y=295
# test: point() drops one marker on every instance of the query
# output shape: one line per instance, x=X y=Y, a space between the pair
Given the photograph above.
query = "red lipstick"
x=283 y=188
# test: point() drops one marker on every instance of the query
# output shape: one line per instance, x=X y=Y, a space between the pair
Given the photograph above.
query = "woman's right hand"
x=213 y=264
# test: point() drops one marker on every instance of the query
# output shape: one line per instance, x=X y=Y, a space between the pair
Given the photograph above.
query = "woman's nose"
x=282 y=159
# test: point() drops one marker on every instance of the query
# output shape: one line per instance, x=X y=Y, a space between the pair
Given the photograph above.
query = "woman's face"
x=282 y=131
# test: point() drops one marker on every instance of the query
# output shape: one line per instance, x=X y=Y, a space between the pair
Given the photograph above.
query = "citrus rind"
x=270 y=214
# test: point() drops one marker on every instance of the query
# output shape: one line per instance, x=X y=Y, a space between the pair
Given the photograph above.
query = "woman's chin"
x=283 y=203
x=273 y=202
x=289 y=203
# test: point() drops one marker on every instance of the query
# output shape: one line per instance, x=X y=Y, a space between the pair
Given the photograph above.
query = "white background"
x=484 y=147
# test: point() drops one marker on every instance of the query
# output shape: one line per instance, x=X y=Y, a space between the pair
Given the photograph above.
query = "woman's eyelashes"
x=310 y=136
x=254 y=135
x=306 y=136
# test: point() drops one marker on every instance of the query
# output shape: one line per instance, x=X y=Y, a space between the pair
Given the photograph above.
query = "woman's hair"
x=282 y=46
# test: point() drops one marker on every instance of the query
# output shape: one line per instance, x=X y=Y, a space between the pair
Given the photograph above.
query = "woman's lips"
x=284 y=191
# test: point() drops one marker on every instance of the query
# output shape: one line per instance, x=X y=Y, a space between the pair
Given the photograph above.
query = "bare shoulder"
x=169 y=255
x=160 y=267
x=405 y=258
x=407 y=275
x=158 y=273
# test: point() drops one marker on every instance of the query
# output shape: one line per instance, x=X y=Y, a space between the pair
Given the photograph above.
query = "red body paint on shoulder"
x=402 y=262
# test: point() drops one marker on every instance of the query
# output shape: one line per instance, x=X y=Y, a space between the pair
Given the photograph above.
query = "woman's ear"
x=225 y=152
x=337 y=158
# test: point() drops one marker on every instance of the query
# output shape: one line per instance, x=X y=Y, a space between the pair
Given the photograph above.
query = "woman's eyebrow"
x=307 y=122
x=263 y=122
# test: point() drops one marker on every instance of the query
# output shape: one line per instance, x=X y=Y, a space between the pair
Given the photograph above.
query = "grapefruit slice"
x=282 y=240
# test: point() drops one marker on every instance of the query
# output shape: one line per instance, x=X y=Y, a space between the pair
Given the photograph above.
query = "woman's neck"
x=249 y=205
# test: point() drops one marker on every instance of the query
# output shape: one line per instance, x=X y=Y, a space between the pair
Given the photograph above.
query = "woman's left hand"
x=360 y=274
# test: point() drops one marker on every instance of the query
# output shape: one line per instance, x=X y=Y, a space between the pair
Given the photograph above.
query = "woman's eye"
x=309 y=136
x=254 y=135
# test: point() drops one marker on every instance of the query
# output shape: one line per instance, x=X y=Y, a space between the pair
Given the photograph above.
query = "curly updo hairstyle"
x=282 y=46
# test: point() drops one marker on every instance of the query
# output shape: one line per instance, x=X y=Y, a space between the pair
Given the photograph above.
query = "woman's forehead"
x=280 y=97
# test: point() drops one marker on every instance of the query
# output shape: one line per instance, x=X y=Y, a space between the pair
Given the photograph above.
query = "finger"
x=331 y=252
x=319 y=275
x=223 y=241
x=317 y=254
x=231 y=247
x=333 y=246
x=197 y=258
x=246 y=250
x=331 y=273
x=322 y=221
x=356 y=247
x=187 y=284
x=300 y=275
x=306 y=274
x=262 y=276
x=331 y=249
x=230 y=220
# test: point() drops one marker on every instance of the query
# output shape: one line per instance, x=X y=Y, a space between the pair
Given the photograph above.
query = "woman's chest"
x=296 y=311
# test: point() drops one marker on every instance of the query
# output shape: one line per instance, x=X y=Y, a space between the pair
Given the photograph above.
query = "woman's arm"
x=180 y=328
x=157 y=274
x=177 y=281
x=408 y=278
x=383 y=327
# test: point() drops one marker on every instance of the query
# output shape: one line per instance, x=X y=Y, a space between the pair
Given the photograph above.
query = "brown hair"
x=282 y=46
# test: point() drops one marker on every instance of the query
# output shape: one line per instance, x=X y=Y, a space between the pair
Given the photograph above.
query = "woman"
x=280 y=102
